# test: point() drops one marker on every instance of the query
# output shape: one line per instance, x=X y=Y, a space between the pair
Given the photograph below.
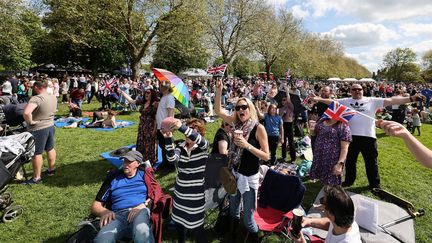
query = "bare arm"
x=319 y=223
x=322 y=100
x=223 y=147
x=397 y=100
x=261 y=136
x=170 y=112
x=27 y=114
x=105 y=214
x=127 y=97
x=344 y=150
x=420 y=152
x=218 y=107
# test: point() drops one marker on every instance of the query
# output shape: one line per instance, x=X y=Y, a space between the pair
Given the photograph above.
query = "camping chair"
x=89 y=227
x=216 y=197
x=278 y=195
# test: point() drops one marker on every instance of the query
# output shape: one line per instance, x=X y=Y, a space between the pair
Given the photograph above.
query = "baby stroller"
x=15 y=151
x=11 y=119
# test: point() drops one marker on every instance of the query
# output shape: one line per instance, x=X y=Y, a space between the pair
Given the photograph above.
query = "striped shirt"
x=189 y=200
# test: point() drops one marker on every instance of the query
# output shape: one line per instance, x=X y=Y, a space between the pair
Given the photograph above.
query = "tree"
x=232 y=24
x=179 y=43
x=136 y=22
x=244 y=67
x=397 y=61
x=19 y=26
x=276 y=31
x=427 y=66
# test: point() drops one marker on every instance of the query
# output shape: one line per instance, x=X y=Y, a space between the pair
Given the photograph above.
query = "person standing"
x=287 y=114
x=190 y=157
x=248 y=148
x=363 y=132
x=146 y=138
x=39 y=115
x=165 y=109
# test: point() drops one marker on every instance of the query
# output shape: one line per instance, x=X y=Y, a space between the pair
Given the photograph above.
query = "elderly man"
x=127 y=193
x=39 y=116
x=363 y=132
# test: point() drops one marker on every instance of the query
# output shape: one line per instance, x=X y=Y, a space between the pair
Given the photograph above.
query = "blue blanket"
x=118 y=163
x=120 y=124
x=62 y=122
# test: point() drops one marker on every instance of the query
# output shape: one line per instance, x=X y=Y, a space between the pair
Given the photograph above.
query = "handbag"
x=228 y=180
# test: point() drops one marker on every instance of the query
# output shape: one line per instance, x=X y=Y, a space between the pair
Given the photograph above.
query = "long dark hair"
x=153 y=96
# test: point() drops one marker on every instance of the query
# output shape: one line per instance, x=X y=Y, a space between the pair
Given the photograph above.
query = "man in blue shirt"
x=129 y=213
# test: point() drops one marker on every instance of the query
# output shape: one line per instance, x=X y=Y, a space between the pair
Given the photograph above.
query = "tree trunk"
x=135 y=66
x=268 y=71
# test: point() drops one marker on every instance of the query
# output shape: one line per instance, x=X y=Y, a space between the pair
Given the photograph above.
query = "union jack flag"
x=339 y=112
x=217 y=69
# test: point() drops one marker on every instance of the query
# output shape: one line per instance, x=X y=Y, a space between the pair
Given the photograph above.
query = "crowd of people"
x=258 y=118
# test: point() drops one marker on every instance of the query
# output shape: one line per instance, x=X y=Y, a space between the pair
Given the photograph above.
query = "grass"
x=54 y=208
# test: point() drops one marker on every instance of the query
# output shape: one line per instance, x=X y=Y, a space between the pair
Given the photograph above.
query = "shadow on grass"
x=359 y=189
x=61 y=238
x=79 y=173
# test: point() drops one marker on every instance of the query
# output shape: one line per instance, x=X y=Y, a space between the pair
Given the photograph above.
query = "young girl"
x=190 y=157
x=416 y=121
x=274 y=126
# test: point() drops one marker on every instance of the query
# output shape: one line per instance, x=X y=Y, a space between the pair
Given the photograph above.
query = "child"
x=416 y=121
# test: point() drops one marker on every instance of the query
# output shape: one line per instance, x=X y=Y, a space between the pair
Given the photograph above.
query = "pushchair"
x=11 y=119
x=15 y=151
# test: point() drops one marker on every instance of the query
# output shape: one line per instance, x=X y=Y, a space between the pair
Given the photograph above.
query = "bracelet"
x=341 y=163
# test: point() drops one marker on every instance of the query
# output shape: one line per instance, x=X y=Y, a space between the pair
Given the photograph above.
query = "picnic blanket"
x=66 y=121
x=387 y=212
x=120 y=124
x=118 y=163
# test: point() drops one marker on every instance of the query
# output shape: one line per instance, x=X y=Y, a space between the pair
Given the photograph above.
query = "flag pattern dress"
x=189 y=198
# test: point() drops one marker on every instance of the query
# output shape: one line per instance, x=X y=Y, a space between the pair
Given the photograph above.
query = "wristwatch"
x=341 y=163
x=411 y=99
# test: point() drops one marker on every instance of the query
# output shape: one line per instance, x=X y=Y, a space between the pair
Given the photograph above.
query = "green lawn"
x=53 y=209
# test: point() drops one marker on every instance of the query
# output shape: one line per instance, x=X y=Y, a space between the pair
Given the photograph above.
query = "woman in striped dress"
x=190 y=156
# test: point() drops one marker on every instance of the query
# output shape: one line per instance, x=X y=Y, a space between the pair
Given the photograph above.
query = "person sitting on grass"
x=339 y=219
x=130 y=197
x=100 y=122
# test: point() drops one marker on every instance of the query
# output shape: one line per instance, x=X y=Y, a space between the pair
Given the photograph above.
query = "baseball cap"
x=7 y=87
x=133 y=156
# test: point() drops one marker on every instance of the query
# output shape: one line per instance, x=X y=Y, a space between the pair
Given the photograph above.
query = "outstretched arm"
x=218 y=107
x=420 y=152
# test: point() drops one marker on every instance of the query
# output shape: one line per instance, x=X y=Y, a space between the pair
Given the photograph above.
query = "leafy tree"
x=275 y=33
x=397 y=61
x=179 y=43
x=19 y=27
x=427 y=66
x=135 y=22
x=232 y=24
x=244 y=67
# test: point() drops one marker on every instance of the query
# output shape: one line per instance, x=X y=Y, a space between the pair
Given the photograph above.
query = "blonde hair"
x=252 y=110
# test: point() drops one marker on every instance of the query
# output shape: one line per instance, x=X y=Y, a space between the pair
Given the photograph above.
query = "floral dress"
x=146 y=138
x=327 y=150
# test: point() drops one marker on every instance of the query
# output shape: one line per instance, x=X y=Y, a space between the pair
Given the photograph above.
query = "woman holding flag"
x=333 y=136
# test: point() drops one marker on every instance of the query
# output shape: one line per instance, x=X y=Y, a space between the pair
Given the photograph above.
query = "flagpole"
x=358 y=112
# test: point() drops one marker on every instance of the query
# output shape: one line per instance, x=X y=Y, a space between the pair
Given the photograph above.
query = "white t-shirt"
x=352 y=236
x=167 y=101
x=361 y=125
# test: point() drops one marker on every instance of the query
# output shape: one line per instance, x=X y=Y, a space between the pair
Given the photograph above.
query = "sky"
x=367 y=29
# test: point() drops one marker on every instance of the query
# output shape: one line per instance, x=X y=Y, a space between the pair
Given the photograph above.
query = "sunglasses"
x=227 y=124
x=356 y=89
x=243 y=107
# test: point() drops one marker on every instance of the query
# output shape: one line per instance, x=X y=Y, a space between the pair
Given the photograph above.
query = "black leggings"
x=200 y=235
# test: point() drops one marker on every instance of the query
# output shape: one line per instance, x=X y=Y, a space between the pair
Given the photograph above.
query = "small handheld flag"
x=339 y=112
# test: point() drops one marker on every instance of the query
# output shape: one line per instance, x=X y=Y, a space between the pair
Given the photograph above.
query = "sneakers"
x=32 y=181
x=49 y=172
